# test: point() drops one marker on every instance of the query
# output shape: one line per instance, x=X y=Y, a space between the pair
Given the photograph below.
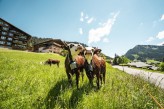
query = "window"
x=23 y=37
x=8 y=43
x=10 y=34
x=6 y=24
x=10 y=39
x=2 y=42
x=4 y=33
x=3 y=37
x=5 y=28
x=1 y=22
x=20 y=42
x=13 y=31
x=16 y=37
x=15 y=41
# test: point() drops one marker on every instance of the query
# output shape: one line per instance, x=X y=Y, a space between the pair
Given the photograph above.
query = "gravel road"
x=153 y=77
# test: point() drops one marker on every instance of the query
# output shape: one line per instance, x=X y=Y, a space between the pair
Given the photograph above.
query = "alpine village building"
x=50 y=46
x=13 y=38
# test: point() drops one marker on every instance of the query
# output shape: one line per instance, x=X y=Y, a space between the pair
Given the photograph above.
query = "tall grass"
x=27 y=84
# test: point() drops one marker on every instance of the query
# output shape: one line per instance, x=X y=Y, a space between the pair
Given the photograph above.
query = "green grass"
x=27 y=84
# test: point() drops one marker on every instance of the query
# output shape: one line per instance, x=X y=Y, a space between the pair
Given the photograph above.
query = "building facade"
x=51 y=46
x=12 y=37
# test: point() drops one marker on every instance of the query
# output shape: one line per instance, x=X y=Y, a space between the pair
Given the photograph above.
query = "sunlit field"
x=26 y=83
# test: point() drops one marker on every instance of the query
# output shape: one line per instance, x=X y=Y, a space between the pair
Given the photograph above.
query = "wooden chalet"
x=50 y=46
x=12 y=37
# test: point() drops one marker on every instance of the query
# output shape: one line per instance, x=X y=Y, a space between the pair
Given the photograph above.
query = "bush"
x=120 y=60
x=161 y=66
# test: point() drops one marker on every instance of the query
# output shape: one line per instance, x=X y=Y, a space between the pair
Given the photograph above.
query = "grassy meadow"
x=25 y=83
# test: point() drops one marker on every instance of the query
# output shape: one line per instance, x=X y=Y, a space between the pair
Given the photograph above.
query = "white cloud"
x=160 y=35
x=96 y=35
x=162 y=18
x=90 y=20
x=82 y=14
x=105 y=39
x=81 y=31
x=160 y=44
x=86 y=17
x=150 y=39
x=81 y=17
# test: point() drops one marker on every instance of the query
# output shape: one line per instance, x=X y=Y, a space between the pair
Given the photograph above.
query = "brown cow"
x=95 y=65
x=99 y=67
x=52 y=61
x=74 y=63
x=88 y=55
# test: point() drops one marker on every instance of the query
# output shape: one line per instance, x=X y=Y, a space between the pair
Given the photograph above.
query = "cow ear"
x=93 y=50
x=71 y=45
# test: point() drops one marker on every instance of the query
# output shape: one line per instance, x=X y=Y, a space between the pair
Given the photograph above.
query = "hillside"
x=146 y=52
x=26 y=83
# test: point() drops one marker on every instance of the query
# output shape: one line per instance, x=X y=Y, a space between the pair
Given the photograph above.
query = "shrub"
x=161 y=66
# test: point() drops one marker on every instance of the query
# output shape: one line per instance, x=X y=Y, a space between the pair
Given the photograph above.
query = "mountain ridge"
x=146 y=52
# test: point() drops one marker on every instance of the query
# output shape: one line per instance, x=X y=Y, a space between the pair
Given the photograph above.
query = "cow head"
x=75 y=49
x=88 y=53
x=97 y=51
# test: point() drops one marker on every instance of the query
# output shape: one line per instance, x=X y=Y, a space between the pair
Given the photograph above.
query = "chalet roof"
x=16 y=27
x=139 y=64
x=57 y=42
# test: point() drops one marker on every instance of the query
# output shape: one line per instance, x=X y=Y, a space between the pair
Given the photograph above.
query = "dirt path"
x=153 y=77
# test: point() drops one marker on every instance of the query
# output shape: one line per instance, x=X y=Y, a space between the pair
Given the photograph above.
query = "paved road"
x=155 y=78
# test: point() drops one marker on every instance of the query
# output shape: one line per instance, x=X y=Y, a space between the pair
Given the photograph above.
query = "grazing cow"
x=95 y=64
x=74 y=63
x=52 y=61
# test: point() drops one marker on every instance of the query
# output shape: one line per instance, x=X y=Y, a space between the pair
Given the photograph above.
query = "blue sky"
x=115 y=26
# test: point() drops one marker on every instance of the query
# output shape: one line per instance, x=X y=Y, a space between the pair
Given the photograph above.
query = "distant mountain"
x=146 y=52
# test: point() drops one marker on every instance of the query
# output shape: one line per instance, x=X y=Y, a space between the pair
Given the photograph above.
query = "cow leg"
x=89 y=74
x=58 y=64
x=98 y=76
x=101 y=78
x=50 y=63
x=77 y=79
x=91 y=78
x=104 y=76
x=69 y=79
x=82 y=75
